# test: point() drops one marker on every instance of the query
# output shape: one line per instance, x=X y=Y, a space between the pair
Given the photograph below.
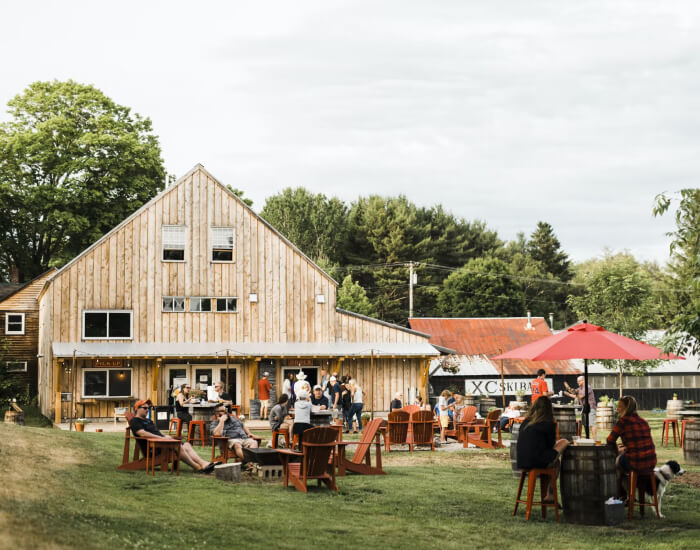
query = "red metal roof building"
x=476 y=340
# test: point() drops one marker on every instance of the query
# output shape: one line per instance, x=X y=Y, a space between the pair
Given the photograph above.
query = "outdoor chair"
x=529 y=501
x=637 y=482
x=139 y=460
x=318 y=450
x=220 y=443
x=410 y=409
x=466 y=416
x=479 y=434
x=397 y=429
x=422 y=424
x=361 y=462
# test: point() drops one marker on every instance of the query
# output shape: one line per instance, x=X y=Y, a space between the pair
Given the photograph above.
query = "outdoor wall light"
x=253 y=298
x=320 y=298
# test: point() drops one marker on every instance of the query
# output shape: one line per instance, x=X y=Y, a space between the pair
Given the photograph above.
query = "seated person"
x=537 y=445
x=395 y=404
x=183 y=398
x=228 y=425
x=510 y=412
x=142 y=426
x=302 y=414
x=279 y=415
x=318 y=399
x=637 y=451
x=223 y=397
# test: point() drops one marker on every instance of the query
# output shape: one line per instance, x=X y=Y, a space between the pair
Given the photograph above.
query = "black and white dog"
x=663 y=475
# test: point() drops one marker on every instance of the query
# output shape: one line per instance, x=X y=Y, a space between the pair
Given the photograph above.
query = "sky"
x=575 y=113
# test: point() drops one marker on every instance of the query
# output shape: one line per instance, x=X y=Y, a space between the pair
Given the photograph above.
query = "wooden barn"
x=19 y=330
x=195 y=281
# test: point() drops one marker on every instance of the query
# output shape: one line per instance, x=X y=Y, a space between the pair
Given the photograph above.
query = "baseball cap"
x=266 y=374
x=142 y=402
x=317 y=387
x=333 y=379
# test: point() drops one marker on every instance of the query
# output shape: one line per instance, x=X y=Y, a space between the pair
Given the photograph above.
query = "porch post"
x=154 y=382
x=57 y=382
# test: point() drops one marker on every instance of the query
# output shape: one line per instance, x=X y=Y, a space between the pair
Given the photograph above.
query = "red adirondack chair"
x=138 y=459
x=422 y=424
x=318 y=449
x=397 y=429
x=410 y=409
x=361 y=462
x=479 y=434
x=466 y=416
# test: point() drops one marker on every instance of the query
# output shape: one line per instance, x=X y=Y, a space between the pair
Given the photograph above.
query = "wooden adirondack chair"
x=219 y=444
x=138 y=459
x=410 y=409
x=318 y=449
x=397 y=429
x=422 y=423
x=466 y=416
x=361 y=462
x=480 y=434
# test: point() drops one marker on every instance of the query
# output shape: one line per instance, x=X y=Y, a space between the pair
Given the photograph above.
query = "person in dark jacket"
x=537 y=444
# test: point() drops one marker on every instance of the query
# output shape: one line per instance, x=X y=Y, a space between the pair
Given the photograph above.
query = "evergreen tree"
x=352 y=297
x=545 y=248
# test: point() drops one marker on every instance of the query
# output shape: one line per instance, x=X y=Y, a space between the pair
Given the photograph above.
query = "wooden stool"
x=672 y=424
x=635 y=478
x=579 y=428
x=178 y=426
x=532 y=476
x=683 y=432
x=202 y=425
x=275 y=436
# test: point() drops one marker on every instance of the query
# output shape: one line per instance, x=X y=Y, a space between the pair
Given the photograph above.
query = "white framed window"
x=173 y=303
x=227 y=305
x=16 y=366
x=174 y=243
x=200 y=304
x=107 y=382
x=222 y=244
x=14 y=323
x=107 y=324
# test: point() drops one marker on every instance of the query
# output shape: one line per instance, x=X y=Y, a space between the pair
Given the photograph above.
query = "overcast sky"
x=576 y=113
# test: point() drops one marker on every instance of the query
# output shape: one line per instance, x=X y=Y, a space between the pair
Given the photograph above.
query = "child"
x=444 y=409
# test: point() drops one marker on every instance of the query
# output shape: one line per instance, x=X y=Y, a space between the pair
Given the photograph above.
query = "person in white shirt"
x=357 y=404
x=302 y=414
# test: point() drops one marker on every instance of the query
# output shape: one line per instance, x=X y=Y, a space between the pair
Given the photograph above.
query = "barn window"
x=14 y=323
x=200 y=304
x=173 y=243
x=173 y=303
x=106 y=382
x=107 y=325
x=222 y=244
x=16 y=366
x=228 y=305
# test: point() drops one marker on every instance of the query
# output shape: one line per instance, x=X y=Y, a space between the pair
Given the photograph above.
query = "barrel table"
x=691 y=443
x=485 y=404
x=587 y=480
x=673 y=409
x=604 y=419
x=515 y=431
x=471 y=401
x=565 y=416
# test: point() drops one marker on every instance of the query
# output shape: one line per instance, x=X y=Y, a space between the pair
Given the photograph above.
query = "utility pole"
x=412 y=280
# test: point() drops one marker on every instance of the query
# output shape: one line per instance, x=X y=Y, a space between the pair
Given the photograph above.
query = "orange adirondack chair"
x=410 y=409
x=466 y=416
x=480 y=434
x=318 y=449
x=422 y=423
x=397 y=429
x=138 y=459
x=361 y=462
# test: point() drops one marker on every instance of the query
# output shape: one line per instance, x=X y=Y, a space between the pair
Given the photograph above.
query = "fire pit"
x=264 y=457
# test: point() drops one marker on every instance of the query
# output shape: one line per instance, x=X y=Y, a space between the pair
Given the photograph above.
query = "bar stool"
x=670 y=424
x=532 y=476
x=635 y=483
x=202 y=425
x=275 y=436
x=177 y=422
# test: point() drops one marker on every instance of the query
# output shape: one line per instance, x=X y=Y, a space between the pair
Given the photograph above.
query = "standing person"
x=301 y=383
x=537 y=444
x=279 y=415
x=302 y=414
x=264 y=388
x=142 y=427
x=578 y=394
x=287 y=385
x=444 y=410
x=231 y=427
x=637 y=451
x=539 y=386
x=395 y=404
x=335 y=391
x=325 y=379
x=357 y=404
x=183 y=398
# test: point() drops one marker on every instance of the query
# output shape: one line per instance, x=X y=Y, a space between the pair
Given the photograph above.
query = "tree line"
x=74 y=163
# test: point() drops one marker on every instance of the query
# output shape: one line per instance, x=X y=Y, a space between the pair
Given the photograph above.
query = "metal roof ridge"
x=385 y=323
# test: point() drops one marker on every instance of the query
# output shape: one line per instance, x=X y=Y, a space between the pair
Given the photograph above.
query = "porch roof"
x=241 y=349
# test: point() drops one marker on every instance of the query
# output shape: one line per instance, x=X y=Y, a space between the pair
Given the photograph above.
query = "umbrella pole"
x=586 y=405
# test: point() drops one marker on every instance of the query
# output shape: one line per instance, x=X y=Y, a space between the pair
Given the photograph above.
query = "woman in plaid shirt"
x=637 y=451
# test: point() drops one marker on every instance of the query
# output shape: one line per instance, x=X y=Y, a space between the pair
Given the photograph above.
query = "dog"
x=663 y=475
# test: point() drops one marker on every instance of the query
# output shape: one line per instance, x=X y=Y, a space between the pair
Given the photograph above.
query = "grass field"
x=62 y=490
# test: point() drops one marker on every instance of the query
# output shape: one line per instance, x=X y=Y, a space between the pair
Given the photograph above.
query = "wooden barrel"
x=604 y=420
x=471 y=401
x=14 y=417
x=691 y=445
x=587 y=480
x=514 y=450
x=673 y=407
x=485 y=404
x=565 y=415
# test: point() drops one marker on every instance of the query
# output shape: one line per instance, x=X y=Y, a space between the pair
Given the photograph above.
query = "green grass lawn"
x=62 y=490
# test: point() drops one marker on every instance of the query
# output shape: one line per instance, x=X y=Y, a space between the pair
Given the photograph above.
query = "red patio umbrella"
x=586 y=341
